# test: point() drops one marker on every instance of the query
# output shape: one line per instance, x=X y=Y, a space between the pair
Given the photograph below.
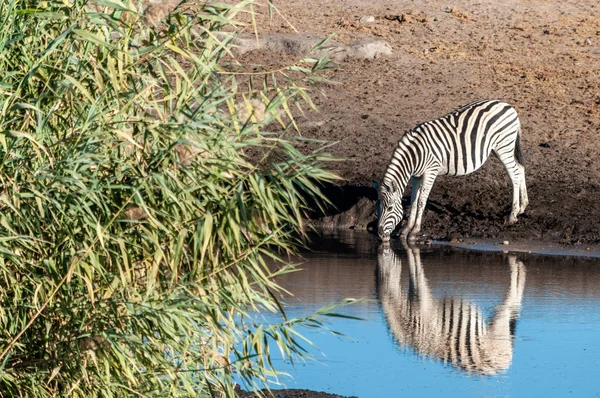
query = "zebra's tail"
x=518 y=152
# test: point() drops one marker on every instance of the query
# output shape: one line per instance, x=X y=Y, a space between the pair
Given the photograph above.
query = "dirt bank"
x=290 y=394
x=541 y=56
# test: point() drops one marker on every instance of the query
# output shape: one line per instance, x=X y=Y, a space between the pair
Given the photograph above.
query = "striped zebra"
x=456 y=144
x=449 y=329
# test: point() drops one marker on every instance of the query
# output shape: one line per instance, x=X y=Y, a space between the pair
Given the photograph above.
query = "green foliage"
x=142 y=200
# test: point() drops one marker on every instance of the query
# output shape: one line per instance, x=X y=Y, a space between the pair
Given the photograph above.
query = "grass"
x=142 y=193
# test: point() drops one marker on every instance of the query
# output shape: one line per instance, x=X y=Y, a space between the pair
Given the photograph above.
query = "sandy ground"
x=541 y=56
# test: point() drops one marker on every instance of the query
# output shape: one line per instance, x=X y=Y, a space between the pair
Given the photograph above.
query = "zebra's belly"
x=459 y=170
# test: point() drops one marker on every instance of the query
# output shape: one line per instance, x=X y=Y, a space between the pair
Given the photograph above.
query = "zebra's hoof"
x=512 y=220
x=412 y=238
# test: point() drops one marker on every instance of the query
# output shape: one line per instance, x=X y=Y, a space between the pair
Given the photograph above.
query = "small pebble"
x=367 y=19
x=505 y=243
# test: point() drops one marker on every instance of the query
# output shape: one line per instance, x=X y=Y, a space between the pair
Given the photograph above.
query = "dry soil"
x=541 y=56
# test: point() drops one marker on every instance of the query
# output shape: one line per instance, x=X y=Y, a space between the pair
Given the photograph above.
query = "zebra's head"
x=390 y=208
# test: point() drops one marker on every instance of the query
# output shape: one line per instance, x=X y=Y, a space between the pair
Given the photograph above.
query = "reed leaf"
x=141 y=209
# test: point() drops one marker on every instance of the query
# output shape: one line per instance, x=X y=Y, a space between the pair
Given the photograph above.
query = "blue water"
x=553 y=346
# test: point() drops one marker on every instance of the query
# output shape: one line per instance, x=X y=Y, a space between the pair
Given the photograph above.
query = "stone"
x=367 y=19
x=368 y=49
x=303 y=44
x=287 y=44
x=358 y=217
x=157 y=11
x=313 y=124
x=453 y=237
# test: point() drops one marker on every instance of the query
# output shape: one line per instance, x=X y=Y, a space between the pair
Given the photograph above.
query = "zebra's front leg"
x=426 y=184
x=417 y=183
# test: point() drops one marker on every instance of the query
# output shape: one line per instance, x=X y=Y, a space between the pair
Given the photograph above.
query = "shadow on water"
x=451 y=329
x=445 y=321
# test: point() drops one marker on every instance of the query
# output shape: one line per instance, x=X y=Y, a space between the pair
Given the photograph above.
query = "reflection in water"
x=451 y=329
x=556 y=346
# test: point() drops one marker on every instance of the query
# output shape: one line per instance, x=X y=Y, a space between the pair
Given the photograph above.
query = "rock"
x=288 y=44
x=367 y=19
x=368 y=49
x=505 y=243
x=312 y=124
x=358 y=216
x=156 y=11
x=253 y=108
x=303 y=44
x=453 y=237
x=135 y=213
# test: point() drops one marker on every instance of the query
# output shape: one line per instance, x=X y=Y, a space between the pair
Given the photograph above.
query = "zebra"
x=456 y=144
x=449 y=329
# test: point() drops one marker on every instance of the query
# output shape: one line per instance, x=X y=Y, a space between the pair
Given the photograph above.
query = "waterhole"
x=442 y=321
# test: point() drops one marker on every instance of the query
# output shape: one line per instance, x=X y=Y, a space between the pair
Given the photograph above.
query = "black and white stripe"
x=450 y=329
x=456 y=144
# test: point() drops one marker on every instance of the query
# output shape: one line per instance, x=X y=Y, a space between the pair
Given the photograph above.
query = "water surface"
x=448 y=321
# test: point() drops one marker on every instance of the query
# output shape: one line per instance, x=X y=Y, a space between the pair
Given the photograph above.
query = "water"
x=448 y=321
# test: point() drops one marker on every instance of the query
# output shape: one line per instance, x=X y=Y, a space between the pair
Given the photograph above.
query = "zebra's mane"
x=407 y=131
x=447 y=116
x=465 y=107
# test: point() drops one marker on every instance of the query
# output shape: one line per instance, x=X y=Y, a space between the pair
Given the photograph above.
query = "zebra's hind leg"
x=523 y=199
x=515 y=203
x=416 y=183
x=516 y=174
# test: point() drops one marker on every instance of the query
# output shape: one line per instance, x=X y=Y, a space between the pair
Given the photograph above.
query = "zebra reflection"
x=450 y=329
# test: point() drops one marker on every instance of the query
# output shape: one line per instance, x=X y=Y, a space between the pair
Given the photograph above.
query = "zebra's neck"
x=402 y=167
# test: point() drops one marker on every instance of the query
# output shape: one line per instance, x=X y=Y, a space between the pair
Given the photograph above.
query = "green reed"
x=142 y=193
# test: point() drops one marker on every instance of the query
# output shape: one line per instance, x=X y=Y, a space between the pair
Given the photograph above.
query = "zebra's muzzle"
x=383 y=236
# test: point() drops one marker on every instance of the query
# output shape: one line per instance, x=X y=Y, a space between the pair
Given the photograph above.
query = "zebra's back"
x=462 y=140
